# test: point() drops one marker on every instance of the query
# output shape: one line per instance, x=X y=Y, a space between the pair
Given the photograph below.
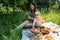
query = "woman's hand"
x=30 y=18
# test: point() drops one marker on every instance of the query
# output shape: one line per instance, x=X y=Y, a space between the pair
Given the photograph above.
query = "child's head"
x=37 y=14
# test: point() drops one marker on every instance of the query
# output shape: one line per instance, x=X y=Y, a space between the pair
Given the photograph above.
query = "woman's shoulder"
x=37 y=10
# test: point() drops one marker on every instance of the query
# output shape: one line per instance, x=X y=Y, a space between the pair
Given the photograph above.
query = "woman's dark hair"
x=33 y=3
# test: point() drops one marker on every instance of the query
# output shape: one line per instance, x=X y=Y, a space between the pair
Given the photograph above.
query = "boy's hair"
x=38 y=13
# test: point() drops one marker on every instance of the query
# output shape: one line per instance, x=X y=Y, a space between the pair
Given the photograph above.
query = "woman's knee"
x=26 y=21
x=28 y=25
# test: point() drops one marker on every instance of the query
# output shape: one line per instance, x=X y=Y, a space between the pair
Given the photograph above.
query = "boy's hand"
x=34 y=30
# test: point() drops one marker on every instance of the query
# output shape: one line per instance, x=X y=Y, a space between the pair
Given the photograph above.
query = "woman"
x=27 y=25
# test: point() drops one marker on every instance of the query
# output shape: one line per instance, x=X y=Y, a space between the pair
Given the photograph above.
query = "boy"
x=38 y=22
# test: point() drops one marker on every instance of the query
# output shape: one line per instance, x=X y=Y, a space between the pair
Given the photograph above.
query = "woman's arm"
x=30 y=18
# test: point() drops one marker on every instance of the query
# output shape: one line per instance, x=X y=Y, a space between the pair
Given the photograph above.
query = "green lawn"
x=9 y=21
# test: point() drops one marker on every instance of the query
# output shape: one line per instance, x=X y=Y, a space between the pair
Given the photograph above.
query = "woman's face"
x=32 y=7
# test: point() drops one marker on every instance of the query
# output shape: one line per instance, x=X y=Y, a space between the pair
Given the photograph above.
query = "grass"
x=9 y=21
x=52 y=16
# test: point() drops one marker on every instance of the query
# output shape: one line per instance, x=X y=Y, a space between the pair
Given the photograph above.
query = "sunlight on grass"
x=53 y=17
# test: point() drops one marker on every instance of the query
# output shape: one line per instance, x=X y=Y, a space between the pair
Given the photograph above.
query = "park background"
x=13 y=13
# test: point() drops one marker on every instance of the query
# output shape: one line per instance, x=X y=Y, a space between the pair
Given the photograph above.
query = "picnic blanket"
x=52 y=36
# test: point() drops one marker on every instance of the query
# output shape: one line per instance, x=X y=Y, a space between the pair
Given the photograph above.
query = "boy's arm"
x=34 y=23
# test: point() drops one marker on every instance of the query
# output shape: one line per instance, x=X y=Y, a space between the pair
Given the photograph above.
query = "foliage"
x=16 y=5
